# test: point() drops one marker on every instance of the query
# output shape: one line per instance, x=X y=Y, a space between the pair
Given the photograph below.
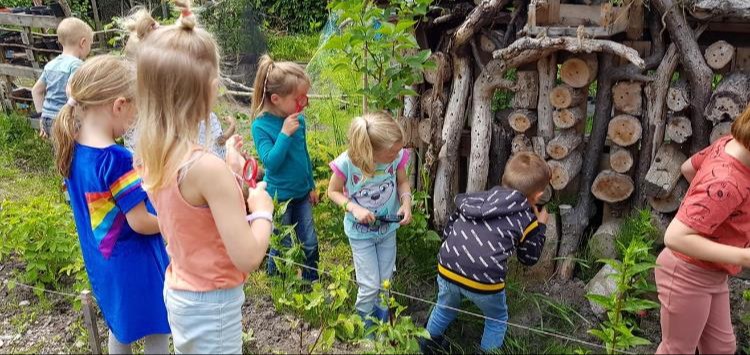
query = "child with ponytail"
x=279 y=134
x=370 y=184
x=123 y=252
x=211 y=243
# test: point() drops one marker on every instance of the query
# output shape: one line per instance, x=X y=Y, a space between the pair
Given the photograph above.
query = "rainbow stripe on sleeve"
x=125 y=184
x=106 y=220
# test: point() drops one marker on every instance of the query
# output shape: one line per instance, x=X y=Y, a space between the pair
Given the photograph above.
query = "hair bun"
x=187 y=18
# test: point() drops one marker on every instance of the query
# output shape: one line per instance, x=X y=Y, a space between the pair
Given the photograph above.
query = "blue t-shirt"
x=287 y=162
x=55 y=77
x=378 y=193
x=126 y=269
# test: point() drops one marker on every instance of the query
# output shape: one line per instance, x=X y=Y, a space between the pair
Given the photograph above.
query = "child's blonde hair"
x=100 y=80
x=71 y=30
x=177 y=71
x=741 y=128
x=371 y=133
x=139 y=24
x=527 y=173
x=280 y=78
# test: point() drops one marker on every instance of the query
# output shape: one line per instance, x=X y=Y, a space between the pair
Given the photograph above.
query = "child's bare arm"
x=336 y=194
x=37 y=93
x=404 y=195
x=141 y=221
x=688 y=171
x=681 y=238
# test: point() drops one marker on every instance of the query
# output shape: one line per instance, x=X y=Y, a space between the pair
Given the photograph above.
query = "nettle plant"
x=379 y=44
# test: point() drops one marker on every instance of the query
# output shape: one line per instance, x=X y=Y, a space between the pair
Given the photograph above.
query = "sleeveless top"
x=199 y=259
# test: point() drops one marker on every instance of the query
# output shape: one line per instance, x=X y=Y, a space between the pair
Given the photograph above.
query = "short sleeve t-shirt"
x=378 y=193
x=55 y=77
x=717 y=204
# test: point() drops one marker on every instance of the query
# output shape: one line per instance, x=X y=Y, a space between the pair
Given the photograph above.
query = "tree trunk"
x=672 y=202
x=715 y=9
x=564 y=143
x=547 y=69
x=697 y=71
x=563 y=171
x=624 y=130
x=678 y=96
x=720 y=130
x=476 y=19
x=730 y=98
x=579 y=71
x=679 y=129
x=665 y=172
x=442 y=71
x=521 y=143
x=527 y=90
x=612 y=187
x=455 y=117
x=521 y=120
x=575 y=220
x=569 y=117
x=627 y=97
x=564 y=96
x=719 y=54
x=620 y=160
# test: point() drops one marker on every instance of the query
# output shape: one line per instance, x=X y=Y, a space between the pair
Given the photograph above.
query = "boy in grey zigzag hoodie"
x=487 y=229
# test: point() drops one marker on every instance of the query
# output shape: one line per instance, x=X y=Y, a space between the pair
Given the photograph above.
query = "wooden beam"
x=36 y=21
x=20 y=71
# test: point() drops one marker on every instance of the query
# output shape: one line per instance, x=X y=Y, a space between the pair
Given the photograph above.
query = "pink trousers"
x=694 y=308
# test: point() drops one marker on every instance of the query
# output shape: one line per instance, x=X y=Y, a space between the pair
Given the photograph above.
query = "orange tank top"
x=198 y=258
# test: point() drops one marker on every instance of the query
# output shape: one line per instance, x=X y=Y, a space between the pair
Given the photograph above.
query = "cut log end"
x=624 y=130
x=664 y=173
x=568 y=117
x=564 y=143
x=678 y=96
x=580 y=71
x=627 y=97
x=521 y=143
x=719 y=54
x=610 y=186
x=522 y=120
x=442 y=71
x=730 y=97
x=620 y=160
x=565 y=170
x=679 y=129
x=720 y=130
x=564 y=96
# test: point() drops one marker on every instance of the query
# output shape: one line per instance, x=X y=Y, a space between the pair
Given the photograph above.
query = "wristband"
x=268 y=216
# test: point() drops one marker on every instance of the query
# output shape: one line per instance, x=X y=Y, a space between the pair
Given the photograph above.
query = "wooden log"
x=672 y=202
x=521 y=120
x=424 y=130
x=432 y=105
x=620 y=160
x=717 y=9
x=579 y=71
x=603 y=243
x=499 y=152
x=569 y=117
x=730 y=98
x=563 y=171
x=546 y=196
x=610 y=186
x=564 y=96
x=627 y=97
x=564 y=143
x=720 y=130
x=521 y=143
x=719 y=54
x=442 y=71
x=679 y=129
x=624 y=130
x=678 y=95
x=490 y=41
x=539 y=146
x=547 y=69
x=527 y=90
x=665 y=172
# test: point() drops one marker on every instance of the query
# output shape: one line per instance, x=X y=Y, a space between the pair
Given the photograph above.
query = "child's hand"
x=258 y=200
x=291 y=124
x=362 y=215
x=406 y=212
x=42 y=133
x=234 y=157
x=314 y=197
x=542 y=216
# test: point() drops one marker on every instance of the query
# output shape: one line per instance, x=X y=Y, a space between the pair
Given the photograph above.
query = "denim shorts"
x=206 y=322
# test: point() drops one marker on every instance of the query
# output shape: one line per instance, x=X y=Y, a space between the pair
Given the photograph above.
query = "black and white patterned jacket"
x=487 y=228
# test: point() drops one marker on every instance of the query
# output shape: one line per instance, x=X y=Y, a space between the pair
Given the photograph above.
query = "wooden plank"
x=26 y=38
x=36 y=21
x=589 y=32
x=635 y=20
x=20 y=71
x=89 y=317
x=553 y=14
x=575 y=15
x=742 y=58
x=729 y=27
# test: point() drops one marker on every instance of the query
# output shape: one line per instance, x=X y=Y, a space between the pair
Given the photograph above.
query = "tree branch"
x=540 y=47
x=478 y=17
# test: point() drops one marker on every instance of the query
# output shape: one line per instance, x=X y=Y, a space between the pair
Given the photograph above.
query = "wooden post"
x=547 y=68
x=165 y=15
x=89 y=317
x=65 y=7
x=98 y=24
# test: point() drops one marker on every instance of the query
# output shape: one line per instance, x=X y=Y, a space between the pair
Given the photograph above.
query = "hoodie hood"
x=496 y=202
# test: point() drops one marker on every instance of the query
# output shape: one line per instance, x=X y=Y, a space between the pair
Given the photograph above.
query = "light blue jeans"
x=492 y=306
x=205 y=322
x=374 y=261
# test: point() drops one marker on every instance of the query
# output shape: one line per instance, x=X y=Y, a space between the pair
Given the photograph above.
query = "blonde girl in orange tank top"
x=211 y=244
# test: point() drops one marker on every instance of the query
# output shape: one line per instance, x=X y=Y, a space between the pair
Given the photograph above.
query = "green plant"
x=631 y=276
x=745 y=319
x=235 y=25
x=299 y=16
x=21 y=142
x=637 y=226
x=398 y=335
x=378 y=44
x=502 y=99
x=293 y=48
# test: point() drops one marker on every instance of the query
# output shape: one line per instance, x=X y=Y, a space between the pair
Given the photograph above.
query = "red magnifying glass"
x=250 y=172
x=301 y=103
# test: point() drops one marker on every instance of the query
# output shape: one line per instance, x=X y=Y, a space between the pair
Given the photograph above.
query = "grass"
x=298 y=48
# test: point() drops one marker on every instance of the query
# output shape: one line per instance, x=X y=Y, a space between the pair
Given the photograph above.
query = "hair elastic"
x=71 y=102
x=186 y=12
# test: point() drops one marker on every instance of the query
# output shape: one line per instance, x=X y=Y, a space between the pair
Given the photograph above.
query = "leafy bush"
x=235 y=26
x=21 y=142
x=293 y=48
x=298 y=16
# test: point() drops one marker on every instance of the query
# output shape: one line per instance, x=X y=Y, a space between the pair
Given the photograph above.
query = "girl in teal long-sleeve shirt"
x=279 y=133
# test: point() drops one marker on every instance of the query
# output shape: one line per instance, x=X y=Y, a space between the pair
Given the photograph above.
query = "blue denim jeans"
x=205 y=322
x=374 y=261
x=492 y=306
x=299 y=211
